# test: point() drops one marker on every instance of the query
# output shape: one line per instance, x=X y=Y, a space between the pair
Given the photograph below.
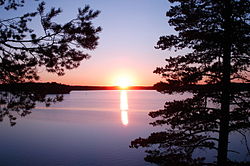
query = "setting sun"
x=123 y=82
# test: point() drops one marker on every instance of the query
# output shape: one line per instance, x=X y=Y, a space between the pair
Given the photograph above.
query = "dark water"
x=89 y=128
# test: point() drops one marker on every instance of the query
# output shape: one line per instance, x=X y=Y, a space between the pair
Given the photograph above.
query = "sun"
x=123 y=82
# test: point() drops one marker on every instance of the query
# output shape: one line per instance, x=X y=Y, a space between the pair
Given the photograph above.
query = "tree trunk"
x=225 y=96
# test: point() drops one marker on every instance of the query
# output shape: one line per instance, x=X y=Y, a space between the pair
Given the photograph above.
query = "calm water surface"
x=89 y=128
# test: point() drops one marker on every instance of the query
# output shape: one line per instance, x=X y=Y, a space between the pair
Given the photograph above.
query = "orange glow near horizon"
x=124 y=107
x=112 y=76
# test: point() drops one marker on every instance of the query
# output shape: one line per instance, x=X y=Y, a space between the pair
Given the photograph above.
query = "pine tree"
x=60 y=47
x=24 y=50
x=215 y=36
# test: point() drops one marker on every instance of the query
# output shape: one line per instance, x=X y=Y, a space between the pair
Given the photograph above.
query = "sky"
x=131 y=29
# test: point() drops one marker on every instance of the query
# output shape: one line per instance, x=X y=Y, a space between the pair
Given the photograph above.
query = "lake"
x=88 y=128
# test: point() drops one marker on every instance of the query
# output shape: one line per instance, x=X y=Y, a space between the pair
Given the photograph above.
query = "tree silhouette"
x=16 y=104
x=215 y=37
x=59 y=47
x=24 y=50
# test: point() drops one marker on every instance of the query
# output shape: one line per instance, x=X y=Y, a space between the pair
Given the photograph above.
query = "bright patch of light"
x=123 y=100
x=124 y=107
x=123 y=82
x=124 y=117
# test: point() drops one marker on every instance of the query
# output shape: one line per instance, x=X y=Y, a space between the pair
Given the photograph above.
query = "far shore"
x=85 y=88
x=56 y=88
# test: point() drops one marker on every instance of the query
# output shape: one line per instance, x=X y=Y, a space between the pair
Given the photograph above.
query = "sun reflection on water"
x=124 y=107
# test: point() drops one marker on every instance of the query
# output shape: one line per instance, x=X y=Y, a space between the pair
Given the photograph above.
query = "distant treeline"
x=44 y=88
x=56 y=88
x=111 y=88
x=235 y=87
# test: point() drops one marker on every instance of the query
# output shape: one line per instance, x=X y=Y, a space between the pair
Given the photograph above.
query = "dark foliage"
x=60 y=47
x=19 y=103
x=215 y=37
x=192 y=124
x=24 y=50
x=201 y=27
